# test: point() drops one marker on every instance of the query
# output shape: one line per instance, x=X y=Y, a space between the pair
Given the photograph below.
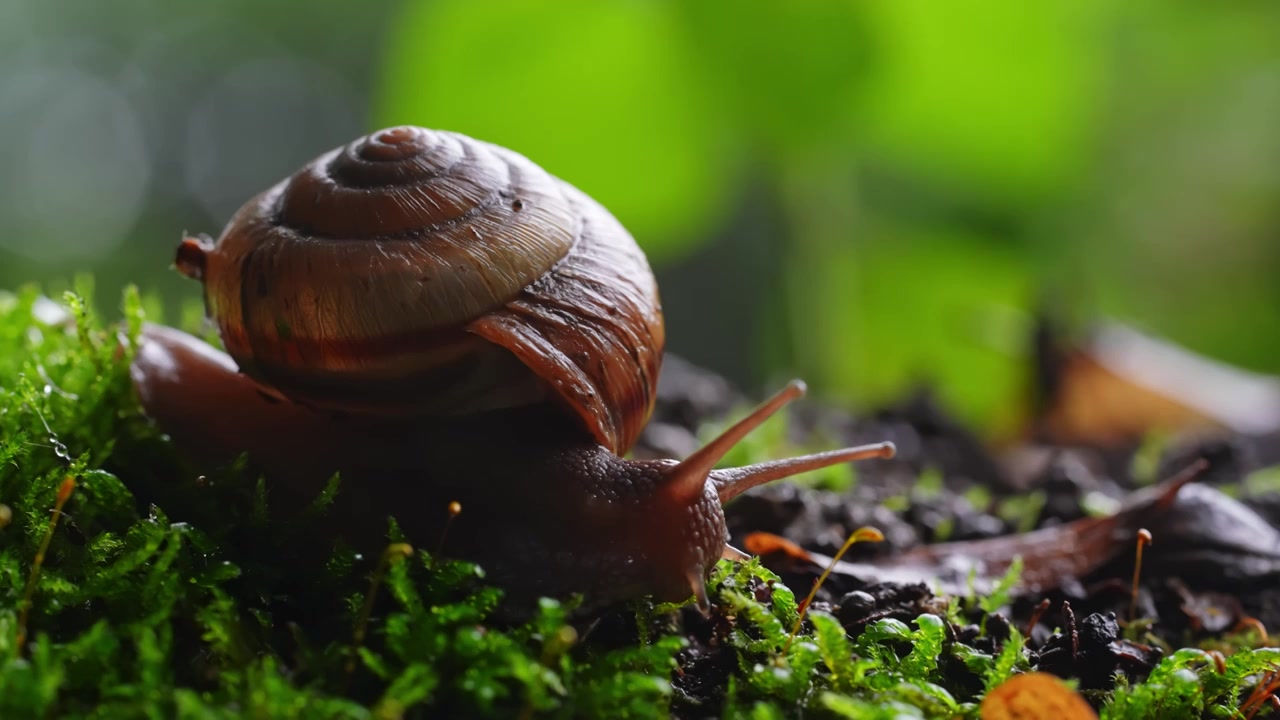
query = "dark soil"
x=1214 y=561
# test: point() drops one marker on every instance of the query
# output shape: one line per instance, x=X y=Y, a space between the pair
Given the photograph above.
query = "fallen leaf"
x=1035 y=696
x=1055 y=554
x=763 y=543
x=1120 y=384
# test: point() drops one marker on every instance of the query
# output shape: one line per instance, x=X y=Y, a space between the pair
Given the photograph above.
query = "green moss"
x=165 y=595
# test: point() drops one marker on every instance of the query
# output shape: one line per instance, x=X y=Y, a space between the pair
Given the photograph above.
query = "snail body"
x=439 y=320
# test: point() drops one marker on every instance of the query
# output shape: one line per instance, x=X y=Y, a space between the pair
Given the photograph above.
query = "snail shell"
x=416 y=272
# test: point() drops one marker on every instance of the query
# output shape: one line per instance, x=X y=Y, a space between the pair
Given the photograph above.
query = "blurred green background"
x=869 y=194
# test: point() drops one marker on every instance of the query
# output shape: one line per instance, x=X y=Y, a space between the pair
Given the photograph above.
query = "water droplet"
x=58 y=448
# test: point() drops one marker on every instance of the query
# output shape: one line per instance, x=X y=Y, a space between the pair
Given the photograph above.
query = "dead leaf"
x=1121 y=384
x=1035 y=696
x=763 y=543
x=1050 y=555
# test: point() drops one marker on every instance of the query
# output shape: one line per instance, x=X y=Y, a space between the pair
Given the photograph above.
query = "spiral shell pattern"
x=423 y=272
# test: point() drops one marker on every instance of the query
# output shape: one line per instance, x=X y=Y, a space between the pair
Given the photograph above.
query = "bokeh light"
x=871 y=194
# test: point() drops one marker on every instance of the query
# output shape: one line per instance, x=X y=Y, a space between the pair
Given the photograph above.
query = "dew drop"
x=58 y=448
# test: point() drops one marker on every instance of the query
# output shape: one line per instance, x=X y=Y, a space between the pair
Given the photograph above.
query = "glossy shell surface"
x=422 y=272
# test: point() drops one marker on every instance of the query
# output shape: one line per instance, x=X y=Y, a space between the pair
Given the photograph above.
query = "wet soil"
x=1214 y=565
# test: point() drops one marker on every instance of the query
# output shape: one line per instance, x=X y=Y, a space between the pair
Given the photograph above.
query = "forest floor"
x=132 y=590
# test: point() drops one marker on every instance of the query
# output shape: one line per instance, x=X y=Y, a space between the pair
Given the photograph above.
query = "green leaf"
x=922 y=661
x=514 y=73
x=856 y=709
x=413 y=687
x=836 y=650
x=999 y=595
x=805 y=90
x=993 y=98
x=1010 y=657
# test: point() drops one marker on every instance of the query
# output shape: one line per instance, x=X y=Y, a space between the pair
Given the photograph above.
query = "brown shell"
x=421 y=272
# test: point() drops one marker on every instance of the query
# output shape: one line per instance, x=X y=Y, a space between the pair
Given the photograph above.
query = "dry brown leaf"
x=1123 y=384
x=763 y=543
x=1035 y=696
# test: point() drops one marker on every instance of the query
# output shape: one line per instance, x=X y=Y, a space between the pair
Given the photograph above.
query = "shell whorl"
x=417 y=271
x=449 y=226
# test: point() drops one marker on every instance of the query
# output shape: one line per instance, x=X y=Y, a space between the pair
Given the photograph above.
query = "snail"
x=440 y=320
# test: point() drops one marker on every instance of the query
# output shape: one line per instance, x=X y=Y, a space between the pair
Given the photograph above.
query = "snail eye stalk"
x=687 y=479
x=192 y=256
